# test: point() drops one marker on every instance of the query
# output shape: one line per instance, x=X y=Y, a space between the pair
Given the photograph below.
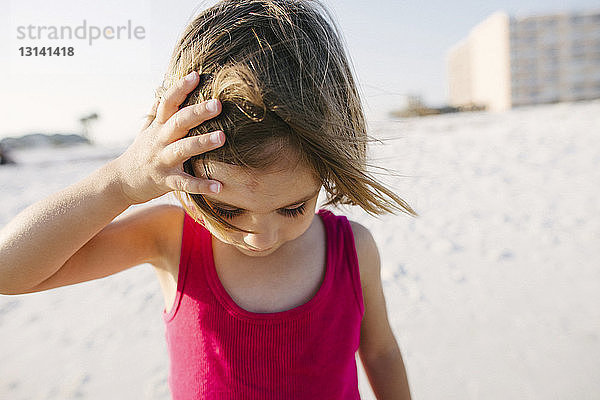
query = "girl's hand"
x=153 y=164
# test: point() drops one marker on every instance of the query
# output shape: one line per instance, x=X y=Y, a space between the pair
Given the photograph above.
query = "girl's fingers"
x=187 y=183
x=179 y=151
x=174 y=96
x=191 y=116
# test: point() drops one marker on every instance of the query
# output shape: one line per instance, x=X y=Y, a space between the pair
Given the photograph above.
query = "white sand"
x=493 y=292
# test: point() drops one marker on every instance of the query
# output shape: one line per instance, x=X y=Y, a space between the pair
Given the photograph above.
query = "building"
x=508 y=61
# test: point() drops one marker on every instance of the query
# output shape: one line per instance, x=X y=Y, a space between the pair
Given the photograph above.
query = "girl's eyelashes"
x=227 y=213
x=288 y=212
x=294 y=212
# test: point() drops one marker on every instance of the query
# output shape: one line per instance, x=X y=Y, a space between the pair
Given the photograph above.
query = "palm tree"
x=85 y=122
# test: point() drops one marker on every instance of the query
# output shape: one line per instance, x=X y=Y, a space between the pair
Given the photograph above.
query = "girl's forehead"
x=275 y=185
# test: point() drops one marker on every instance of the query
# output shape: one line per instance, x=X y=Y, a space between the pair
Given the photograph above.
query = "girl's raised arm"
x=40 y=240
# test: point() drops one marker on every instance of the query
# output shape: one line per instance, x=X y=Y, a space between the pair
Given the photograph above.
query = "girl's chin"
x=254 y=253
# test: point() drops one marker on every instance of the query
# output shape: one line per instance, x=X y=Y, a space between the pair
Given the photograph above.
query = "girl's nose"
x=261 y=241
x=266 y=236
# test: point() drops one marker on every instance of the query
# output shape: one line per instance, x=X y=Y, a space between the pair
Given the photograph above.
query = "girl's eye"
x=227 y=213
x=289 y=212
x=294 y=212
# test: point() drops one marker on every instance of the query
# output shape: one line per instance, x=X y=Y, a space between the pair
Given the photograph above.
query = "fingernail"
x=211 y=106
x=215 y=137
x=215 y=187
x=190 y=77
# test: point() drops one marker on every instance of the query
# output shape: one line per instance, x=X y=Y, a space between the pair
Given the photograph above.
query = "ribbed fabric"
x=218 y=350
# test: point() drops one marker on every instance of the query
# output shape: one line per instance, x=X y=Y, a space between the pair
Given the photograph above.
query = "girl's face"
x=278 y=204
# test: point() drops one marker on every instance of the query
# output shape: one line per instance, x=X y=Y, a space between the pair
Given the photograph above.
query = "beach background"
x=492 y=292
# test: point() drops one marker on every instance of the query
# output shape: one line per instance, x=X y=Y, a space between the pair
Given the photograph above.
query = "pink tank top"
x=219 y=350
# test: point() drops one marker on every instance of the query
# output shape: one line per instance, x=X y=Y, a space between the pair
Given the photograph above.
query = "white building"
x=508 y=61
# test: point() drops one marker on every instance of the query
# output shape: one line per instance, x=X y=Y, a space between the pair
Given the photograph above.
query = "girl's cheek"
x=303 y=225
x=230 y=239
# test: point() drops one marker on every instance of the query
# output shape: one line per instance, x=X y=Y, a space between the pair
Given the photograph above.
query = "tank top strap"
x=340 y=239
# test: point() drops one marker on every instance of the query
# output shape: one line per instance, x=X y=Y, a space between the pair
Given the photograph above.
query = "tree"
x=85 y=123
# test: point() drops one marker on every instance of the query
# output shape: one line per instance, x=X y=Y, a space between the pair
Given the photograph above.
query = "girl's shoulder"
x=170 y=219
x=367 y=254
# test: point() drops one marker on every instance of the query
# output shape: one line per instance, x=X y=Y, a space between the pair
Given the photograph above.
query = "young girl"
x=264 y=297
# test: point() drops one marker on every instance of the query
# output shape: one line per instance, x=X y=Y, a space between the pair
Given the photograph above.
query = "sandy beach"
x=493 y=292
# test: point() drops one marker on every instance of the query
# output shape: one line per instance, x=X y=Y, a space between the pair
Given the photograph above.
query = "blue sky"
x=396 y=47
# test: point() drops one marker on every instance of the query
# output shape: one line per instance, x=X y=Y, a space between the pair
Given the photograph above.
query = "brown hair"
x=286 y=87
